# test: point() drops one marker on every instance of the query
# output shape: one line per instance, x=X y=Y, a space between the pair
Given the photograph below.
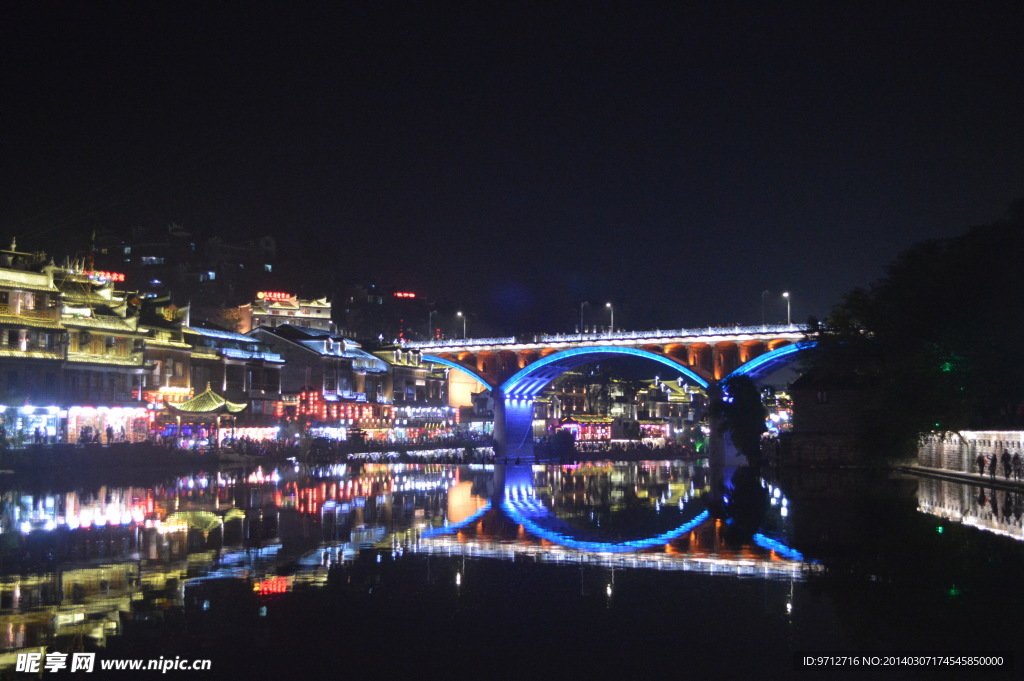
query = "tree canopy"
x=935 y=343
x=742 y=416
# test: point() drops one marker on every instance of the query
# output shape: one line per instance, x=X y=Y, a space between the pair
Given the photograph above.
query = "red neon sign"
x=404 y=294
x=274 y=296
x=109 y=276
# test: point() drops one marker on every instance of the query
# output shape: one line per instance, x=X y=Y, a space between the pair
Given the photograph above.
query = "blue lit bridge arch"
x=531 y=380
x=517 y=371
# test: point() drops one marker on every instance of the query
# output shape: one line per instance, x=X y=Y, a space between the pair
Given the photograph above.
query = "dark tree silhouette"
x=742 y=416
x=933 y=344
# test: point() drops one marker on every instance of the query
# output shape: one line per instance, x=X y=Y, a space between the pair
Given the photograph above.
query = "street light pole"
x=430 y=324
x=459 y=314
x=789 y=318
x=611 y=329
x=584 y=303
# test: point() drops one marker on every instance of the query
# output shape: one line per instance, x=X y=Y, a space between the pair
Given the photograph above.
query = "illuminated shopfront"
x=125 y=424
x=414 y=424
x=330 y=417
x=253 y=433
x=589 y=428
x=654 y=432
x=28 y=424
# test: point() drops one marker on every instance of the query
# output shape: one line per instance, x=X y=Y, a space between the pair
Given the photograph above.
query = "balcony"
x=46 y=315
x=133 y=359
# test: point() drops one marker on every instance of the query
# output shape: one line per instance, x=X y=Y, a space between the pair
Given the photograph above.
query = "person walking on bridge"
x=981 y=464
x=1006 y=464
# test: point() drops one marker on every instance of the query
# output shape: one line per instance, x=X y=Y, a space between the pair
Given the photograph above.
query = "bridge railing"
x=617 y=335
x=450 y=342
x=669 y=333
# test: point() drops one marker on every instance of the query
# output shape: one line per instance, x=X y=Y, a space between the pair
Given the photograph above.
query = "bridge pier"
x=513 y=428
x=723 y=457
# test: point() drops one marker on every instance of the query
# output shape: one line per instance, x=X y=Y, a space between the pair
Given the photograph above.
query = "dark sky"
x=518 y=158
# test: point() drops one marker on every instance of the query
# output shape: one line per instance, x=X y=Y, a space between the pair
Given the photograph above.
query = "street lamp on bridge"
x=611 y=329
x=459 y=314
x=789 y=318
x=582 y=305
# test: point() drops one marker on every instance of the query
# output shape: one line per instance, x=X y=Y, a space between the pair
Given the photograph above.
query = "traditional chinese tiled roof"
x=104 y=323
x=222 y=335
x=35 y=323
x=26 y=281
x=207 y=402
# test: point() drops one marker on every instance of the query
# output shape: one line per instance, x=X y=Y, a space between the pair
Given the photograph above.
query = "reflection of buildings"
x=992 y=510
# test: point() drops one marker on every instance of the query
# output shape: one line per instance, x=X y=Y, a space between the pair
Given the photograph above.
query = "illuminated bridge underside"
x=531 y=380
x=769 y=362
x=455 y=365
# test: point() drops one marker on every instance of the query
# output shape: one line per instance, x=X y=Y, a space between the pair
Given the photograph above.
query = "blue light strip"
x=455 y=527
x=778 y=547
x=528 y=382
x=453 y=365
x=596 y=547
x=768 y=359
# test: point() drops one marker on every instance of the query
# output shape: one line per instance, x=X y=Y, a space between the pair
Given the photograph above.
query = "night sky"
x=518 y=158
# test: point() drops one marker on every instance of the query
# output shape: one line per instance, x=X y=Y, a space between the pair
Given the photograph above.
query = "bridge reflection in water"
x=522 y=520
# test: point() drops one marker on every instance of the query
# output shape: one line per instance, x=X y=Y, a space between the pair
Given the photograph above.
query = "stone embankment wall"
x=959 y=451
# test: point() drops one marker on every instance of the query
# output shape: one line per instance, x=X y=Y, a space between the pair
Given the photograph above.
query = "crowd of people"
x=1012 y=465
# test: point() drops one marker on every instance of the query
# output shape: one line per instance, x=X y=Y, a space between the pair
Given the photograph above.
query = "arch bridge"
x=517 y=370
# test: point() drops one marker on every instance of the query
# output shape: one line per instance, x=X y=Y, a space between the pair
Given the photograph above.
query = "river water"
x=597 y=570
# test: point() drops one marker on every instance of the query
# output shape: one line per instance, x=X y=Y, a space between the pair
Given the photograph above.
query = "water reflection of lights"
x=767 y=568
x=972 y=506
x=525 y=511
x=454 y=527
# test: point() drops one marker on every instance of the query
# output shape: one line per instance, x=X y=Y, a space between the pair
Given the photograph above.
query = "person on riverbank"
x=981 y=464
x=992 y=463
x=1016 y=466
x=1006 y=464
